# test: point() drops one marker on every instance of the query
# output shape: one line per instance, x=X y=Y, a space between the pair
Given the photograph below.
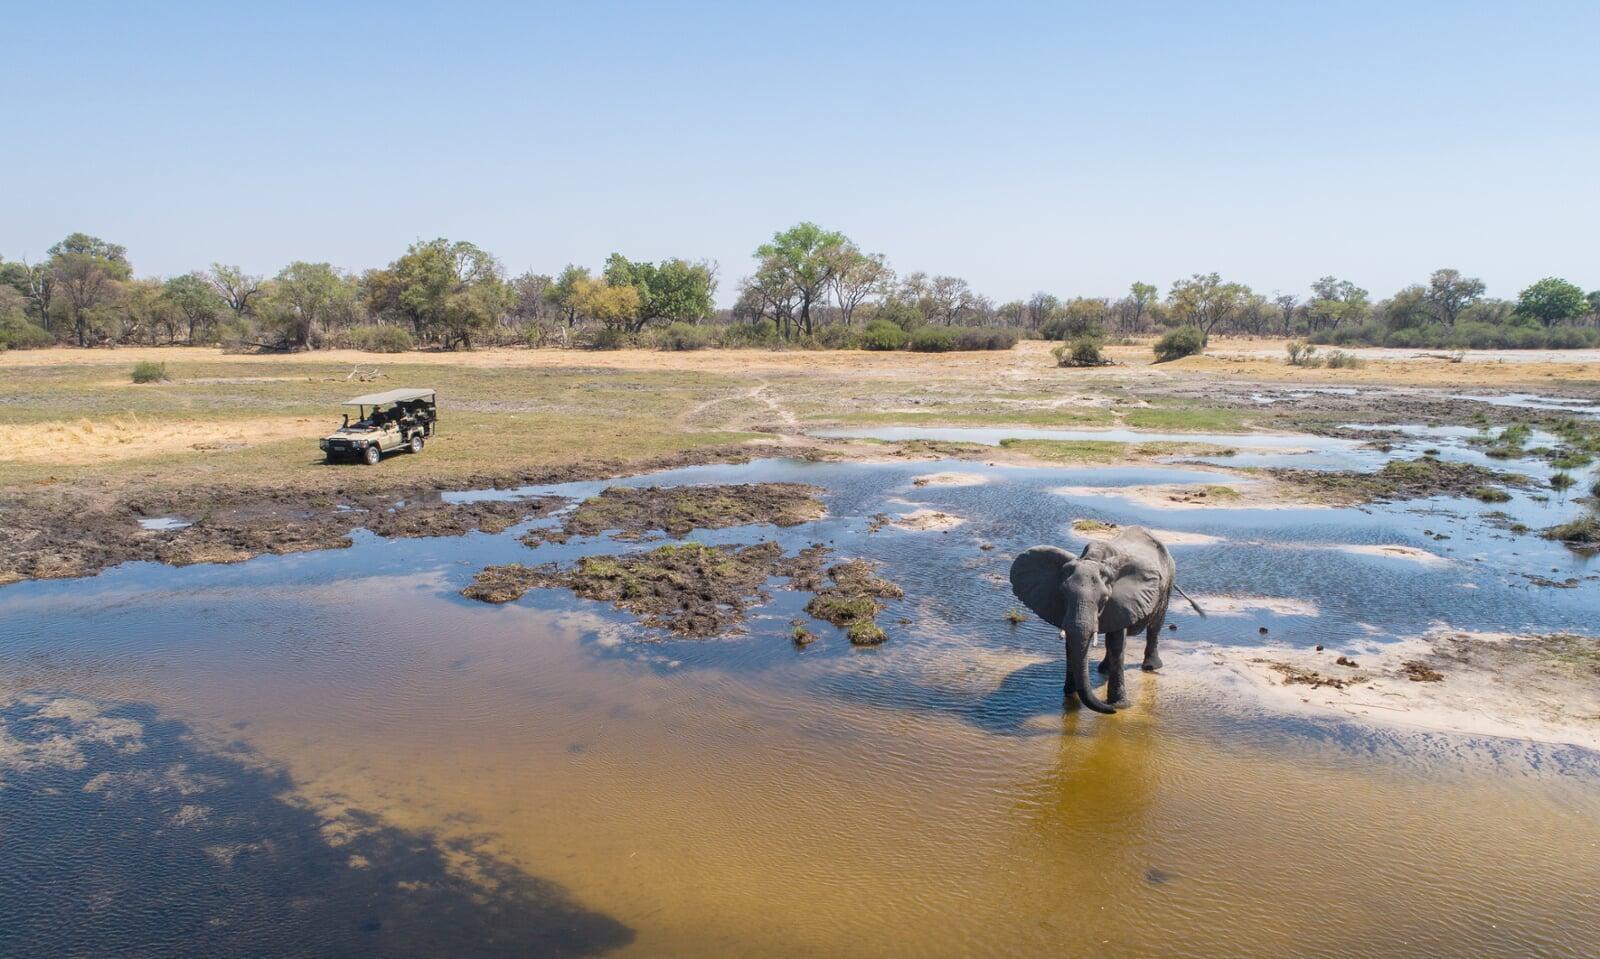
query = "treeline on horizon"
x=809 y=287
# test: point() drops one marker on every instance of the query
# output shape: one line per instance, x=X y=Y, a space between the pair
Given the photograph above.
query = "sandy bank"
x=1538 y=688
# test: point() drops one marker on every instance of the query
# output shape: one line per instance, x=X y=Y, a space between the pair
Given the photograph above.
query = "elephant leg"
x=1116 y=642
x=1152 y=636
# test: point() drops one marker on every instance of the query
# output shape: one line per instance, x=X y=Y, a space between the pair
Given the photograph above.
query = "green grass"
x=1201 y=419
x=1069 y=451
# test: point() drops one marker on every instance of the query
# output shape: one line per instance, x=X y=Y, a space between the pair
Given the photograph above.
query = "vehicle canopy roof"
x=393 y=396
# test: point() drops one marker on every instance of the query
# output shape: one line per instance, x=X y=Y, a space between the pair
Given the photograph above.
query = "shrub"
x=1340 y=360
x=933 y=339
x=1178 y=343
x=22 y=335
x=607 y=338
x=834 y=336
x=1571 y=338
x=682 y=336
x=147 y=372
x=1302 y=354
x=381 y=338
x=882 y=335
x=984 y=338
x=1083 y=351
x=762 y=332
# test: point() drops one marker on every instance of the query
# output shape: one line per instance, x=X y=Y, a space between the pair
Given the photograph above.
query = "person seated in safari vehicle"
x=385 y=422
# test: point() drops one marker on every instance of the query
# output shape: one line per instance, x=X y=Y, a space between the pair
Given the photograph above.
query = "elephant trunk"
x=1079 y=635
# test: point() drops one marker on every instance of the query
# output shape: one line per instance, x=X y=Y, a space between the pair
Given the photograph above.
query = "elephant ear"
x=1135 y=557
x=1036 y=576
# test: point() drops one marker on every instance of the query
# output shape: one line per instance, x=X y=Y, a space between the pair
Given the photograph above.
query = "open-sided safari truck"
x=385 y=422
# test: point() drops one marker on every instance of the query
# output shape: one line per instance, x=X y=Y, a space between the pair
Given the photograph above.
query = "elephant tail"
x=1190 y=601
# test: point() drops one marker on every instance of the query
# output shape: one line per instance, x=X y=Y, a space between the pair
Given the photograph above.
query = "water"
x=335 y=754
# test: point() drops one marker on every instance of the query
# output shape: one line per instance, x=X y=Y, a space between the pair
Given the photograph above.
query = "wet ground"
x=333 y=752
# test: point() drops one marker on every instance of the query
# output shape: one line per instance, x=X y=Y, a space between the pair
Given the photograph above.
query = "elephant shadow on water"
x=1026 y=693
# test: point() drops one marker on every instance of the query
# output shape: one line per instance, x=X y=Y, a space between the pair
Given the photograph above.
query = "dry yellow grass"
x=85 y=442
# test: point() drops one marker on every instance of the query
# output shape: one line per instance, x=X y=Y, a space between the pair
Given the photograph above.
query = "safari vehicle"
x=385 y=422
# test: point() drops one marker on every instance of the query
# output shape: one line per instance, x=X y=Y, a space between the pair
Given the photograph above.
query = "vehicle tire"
x=372 y=455
x=416 y=442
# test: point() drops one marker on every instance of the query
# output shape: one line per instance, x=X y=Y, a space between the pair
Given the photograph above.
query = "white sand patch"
x=1092 y=529
x=927 y=521
x=1477 y=684
x=1237 y=495
x=952 y=479
x=1242 y=605
x=1396 y=551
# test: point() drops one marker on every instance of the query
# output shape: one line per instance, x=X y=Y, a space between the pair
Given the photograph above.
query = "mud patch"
x=688 y=589
x=226 y=525
x=678 y=510
x=854 y=600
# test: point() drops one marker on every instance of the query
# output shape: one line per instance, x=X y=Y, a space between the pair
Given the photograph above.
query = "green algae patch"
x=676 y=510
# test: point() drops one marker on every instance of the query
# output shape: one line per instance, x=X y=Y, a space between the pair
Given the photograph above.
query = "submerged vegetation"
x=1401 y=480
x=677 y=510
x=853 y=601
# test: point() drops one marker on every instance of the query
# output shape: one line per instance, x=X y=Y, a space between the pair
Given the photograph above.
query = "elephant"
x=1113 y=587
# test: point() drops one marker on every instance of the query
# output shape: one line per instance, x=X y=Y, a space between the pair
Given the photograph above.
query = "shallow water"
x=334 y=753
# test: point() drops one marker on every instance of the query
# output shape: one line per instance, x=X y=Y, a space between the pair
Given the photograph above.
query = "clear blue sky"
x=1059 y=146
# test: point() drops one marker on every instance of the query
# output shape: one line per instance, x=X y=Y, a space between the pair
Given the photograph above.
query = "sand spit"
x=1537 y=688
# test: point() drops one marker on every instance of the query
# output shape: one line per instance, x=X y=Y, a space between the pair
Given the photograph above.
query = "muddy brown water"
x=333 y=753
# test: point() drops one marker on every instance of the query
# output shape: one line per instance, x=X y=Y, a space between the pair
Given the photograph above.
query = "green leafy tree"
x=1552 y=300
x=614 y=306
x=562 y=292
x=447 y=291
x=237 y=288
x=196 y=302
x=672 y=291
x=306 y=301
x=803 y=258
x=1204 y=301
x=1335 y=301
x=856 y=276
x=1449 y=293
x=86 y=275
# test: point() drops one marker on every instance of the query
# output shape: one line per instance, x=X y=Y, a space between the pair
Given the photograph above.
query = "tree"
x=615 y=306
x=1287 y=304
x=447 y=291
x=236 y=287
x=196 y=302
x=673 y=290
x=1334 y=301
x=306 y=300
x=561 y=292
x=948 y=299
x=802 y=257
x=1594 y=302
x=856 y=276
x=1449 y=293
x=1552 y=300
x=147 y=316
x=1041 y=308
x=1205 y=301
x=1141 y=297
x=1407 y=309
x=86 y=276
